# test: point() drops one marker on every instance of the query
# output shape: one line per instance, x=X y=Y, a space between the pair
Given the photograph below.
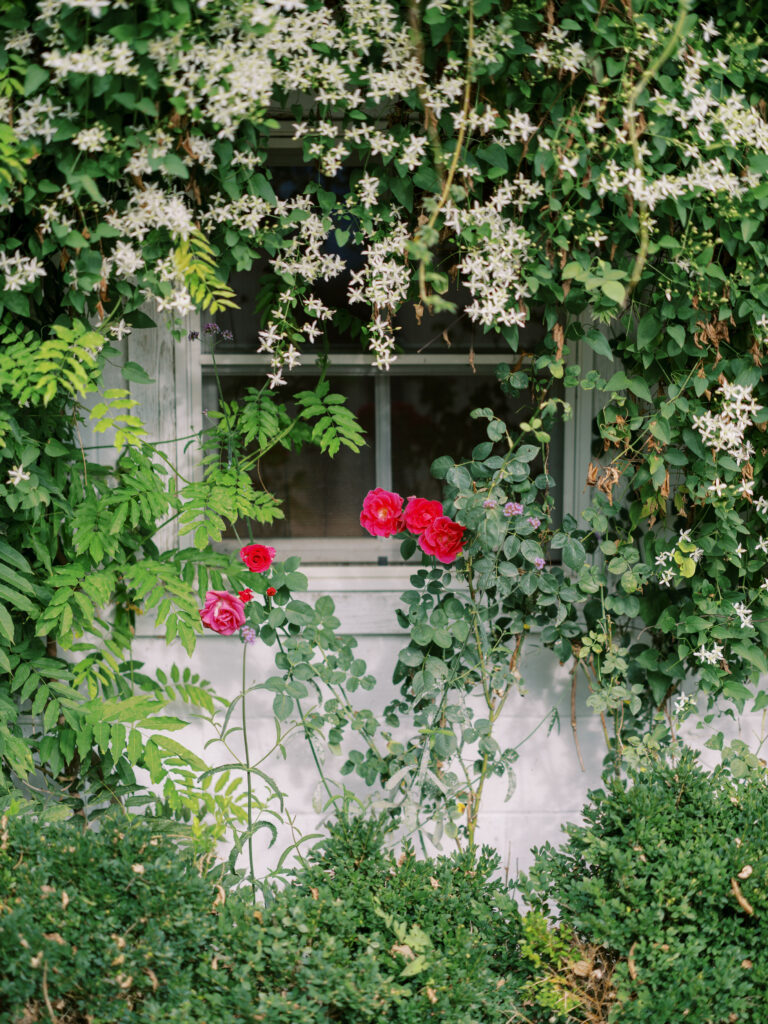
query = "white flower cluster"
x=724 y=431
x=710 y=656
x=103 y=57
x=557 y=53
x=706 y=176
x=91 y=140
x=20 y=270
x=383 y=284
x=153 y=207
x=493 y=267
x=34 y=119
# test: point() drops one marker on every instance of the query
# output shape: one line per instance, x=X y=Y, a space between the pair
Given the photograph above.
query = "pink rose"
x=443 y=538
x=257 y=557
x=420 y=512
x=382 y=513
x=222 y=612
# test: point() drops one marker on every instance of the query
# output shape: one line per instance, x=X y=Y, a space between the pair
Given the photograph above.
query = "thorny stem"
x=642 y=82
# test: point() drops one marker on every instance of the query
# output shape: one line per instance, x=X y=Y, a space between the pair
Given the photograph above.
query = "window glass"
x=321 y=496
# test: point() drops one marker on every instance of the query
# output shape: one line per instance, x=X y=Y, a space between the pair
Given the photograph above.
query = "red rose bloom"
x=222 y=612
x=420 y=512
x=382 y=513
x=443 y=538
x=257 y=557
x=246 y=595
x=271 y=591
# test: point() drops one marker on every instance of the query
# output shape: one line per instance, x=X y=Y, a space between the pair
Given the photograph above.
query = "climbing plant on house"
x=599 y=169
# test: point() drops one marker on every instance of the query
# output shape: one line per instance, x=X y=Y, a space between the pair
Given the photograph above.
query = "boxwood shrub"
x=122 y=925
x=658 y=904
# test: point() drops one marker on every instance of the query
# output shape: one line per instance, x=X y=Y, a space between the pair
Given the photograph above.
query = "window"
x=414 y=412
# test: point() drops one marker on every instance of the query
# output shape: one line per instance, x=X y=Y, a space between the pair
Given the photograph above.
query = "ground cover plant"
x=656 y=904
x=123 y=925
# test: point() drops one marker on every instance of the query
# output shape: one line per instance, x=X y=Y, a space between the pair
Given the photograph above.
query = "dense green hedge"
x=669 y=875
x=121 y=926
x=654 y=911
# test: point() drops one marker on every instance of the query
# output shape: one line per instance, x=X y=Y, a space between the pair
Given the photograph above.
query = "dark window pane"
x=430 y=417
x=321 y=496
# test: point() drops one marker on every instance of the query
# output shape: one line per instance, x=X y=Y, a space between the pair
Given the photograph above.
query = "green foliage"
x=196 y=262
x=667 y=876
x=123 y=924
x=594 y=169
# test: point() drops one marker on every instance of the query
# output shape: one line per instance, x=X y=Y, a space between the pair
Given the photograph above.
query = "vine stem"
x=650 y=72
x=249 y=781
x=456 y=153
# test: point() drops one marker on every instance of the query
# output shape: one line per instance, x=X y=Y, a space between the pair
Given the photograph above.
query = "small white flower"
x=762 y=506
x=708 y=30
x=744 y=614
x=120 y=330
x=762 y=545
x=740 y=550
x=91 y=140
x=718 y=488
x=666 y=577
x=16 y=475
x=709 y=657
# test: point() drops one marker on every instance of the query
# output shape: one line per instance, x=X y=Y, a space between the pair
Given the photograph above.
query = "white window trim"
x=342 y=559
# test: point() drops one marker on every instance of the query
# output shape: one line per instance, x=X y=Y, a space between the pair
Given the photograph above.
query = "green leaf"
x=598 y=342
x=751 y=653
x=17 y=600
x=574 y=554
x=6 y=623
x=282 y=706
x=34 y=78
x=638 y=387
x=531 y=550
x=614 y=290
x=136 y=373
x=648 y=329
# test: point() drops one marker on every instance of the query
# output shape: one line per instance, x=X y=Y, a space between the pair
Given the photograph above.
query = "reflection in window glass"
x=321 y=496
x=430 y=417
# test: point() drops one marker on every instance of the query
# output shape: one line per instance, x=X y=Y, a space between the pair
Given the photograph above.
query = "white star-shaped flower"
x=762 y=545
x=119 y=331
x=718 y=487
x=740 y=550
x=15 y=476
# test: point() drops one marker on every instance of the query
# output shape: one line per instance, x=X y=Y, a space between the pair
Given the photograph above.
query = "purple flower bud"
x=534 y=521
x=490 y=503
x=539 y=563
x=513 y=508
x=248 y=634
